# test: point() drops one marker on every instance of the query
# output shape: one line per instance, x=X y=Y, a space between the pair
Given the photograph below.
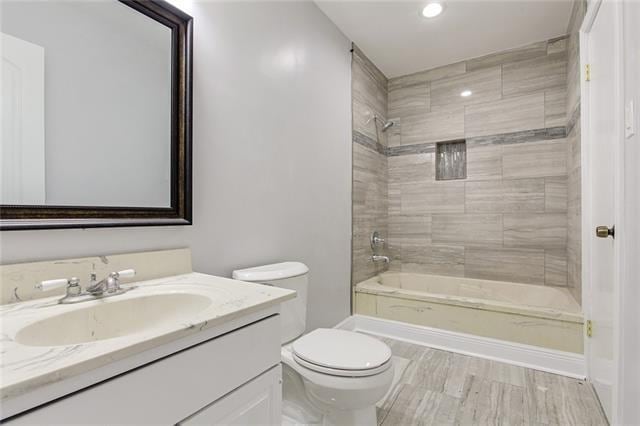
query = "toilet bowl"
x=342 y=373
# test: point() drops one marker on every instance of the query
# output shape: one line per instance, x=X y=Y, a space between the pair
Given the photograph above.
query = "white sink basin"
x=112 y=317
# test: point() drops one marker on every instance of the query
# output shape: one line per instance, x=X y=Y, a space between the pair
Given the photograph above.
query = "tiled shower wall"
x=369 y=99
x=508 y=220
x=574 y=216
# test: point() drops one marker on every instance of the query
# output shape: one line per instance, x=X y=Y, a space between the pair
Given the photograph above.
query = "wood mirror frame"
x=20 y=217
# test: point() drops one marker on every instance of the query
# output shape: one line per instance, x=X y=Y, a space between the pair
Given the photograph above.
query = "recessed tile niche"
x=451 y=160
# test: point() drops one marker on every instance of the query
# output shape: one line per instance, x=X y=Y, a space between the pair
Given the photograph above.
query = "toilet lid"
x=339 y=350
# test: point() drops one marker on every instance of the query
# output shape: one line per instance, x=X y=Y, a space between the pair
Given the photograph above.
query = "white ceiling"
x=395 y=36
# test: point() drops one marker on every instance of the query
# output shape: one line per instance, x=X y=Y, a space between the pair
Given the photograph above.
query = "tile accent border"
x=536 y=135
x=367 y=142
x=534 y=357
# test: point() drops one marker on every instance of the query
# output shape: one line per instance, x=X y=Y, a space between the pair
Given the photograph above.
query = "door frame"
x=587 y=162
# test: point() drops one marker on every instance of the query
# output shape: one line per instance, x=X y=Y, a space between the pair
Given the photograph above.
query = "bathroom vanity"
x=189 y=348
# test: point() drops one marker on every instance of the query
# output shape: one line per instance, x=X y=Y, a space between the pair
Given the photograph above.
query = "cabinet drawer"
x=172 y=388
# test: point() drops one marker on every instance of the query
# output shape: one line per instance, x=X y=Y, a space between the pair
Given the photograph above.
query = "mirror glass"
x=86 y=105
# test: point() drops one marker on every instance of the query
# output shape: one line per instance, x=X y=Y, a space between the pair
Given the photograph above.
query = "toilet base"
x=363 y=417
x=297 y=408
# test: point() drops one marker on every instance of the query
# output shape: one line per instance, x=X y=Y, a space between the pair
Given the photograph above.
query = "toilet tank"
x=289 y=275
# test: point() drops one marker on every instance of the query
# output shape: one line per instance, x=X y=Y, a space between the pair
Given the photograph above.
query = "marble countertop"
x=26 y=368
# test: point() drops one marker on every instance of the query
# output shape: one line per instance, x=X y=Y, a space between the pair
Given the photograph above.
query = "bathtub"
x=534 y=315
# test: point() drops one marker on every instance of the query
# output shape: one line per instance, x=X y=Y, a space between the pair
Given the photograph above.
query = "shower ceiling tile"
x=505 y=116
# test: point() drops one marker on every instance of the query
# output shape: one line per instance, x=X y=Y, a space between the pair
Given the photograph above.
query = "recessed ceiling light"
x=432 y=10
x=466 y=93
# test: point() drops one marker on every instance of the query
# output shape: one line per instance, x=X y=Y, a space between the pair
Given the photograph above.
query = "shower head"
x=386 y=125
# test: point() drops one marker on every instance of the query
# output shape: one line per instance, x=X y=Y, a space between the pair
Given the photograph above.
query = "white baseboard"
x=543 y=359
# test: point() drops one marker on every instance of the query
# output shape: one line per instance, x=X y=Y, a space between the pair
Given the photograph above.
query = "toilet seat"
x=341 y=353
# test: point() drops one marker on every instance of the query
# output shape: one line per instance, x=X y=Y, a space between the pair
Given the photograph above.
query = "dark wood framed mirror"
x=105 y=139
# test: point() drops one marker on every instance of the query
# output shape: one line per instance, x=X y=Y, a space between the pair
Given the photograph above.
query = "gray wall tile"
x=370 y=170
x=469 y=230
x=503 y=116
x=555 y=267
x=485 y=85
x=438 y=259
x=555 y=194
x=524 y=195
x=530 y=51
x=535 y=230
x=516 y=265
x=428 y=75
x=484 y=197
x=555 y=104
x=484 y=162
x=505 y=196
x=516 y=216
x=411 y=168
x=534 y=75
x=557 y=46
x=409 y=100
x=535 y=159
x=432 y=197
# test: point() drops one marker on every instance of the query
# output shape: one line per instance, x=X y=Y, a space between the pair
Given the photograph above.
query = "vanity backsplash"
x=17 y=281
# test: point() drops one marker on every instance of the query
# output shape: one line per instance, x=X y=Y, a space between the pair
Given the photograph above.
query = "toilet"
x=331 y=377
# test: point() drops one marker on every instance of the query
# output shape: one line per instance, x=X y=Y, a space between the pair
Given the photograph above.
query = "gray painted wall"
x=272 y=155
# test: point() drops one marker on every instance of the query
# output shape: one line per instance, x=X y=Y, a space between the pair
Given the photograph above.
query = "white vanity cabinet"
x=234 y=378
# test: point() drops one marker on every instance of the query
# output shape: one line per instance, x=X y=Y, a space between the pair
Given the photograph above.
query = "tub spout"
x=375 y=258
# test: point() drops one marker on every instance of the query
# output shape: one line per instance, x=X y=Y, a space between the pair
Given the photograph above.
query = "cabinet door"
x=258 y=402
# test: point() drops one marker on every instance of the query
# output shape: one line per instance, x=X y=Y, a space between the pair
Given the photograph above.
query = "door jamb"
x=586 y=163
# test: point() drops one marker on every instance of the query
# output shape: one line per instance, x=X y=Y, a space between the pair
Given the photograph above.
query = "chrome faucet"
x=376 y=258
x=109 y=286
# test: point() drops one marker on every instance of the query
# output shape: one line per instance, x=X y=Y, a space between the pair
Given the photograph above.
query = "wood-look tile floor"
x=444 y=388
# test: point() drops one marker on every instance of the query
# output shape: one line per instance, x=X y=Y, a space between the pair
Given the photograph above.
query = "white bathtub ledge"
x=375 y=288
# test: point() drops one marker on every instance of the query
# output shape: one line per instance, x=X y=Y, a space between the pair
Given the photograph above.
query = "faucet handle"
x=127 y=273
x=71 y=283
x=48 y=285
